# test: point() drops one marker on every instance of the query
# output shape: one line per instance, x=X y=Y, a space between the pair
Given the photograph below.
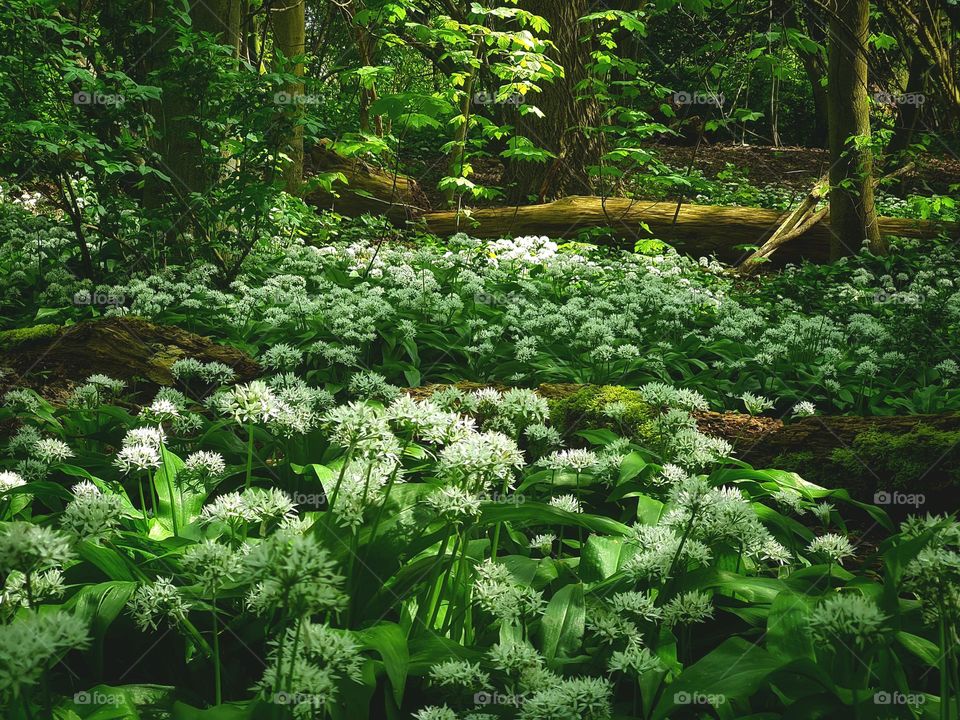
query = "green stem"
x=169 y=478
x=249 y=478
x=217 y=688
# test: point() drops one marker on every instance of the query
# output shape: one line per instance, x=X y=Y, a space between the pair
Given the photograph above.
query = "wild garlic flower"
x=10 y=480
x=22 y=399
x=362 y=426
x=51 y=450
x=659 y=546
x=498 y=592
x=162 y=409
x=252 y=403
x=32 y=548
x=294 y=573
x=459 y=673
x=435 y=712
x=282 y=356
x=541 y=438
x=33 y=644
x=824 y=512
x=641 y=605
x=805 y=408
x=92 y=514
x=790 y=499
x=688 y=608
x=755 y=404
x=204 y=467
x=137 y=458
x=23 y=440
x=832 y=548
x=634 y=660
x=229 y=509
x=269 y=505
x=543 y=543
x=157 y=602
x=217 y=373
x=149 y=435
x=107 y=384
x=585 y=698
x=577 y=460
x=211 y=565
x=369 y=385
x=481 y=459
x=455 y=504
x=611 y=627
x=46 y=585
x=934 y=577
x=845 y=620
x=567 y=503
x=515 y=657
x=324 y=658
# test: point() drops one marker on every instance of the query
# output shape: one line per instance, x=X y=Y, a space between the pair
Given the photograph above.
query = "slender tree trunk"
x=908 y=112
x=814 y=66
x=561 y=130
x=289 y=33
x=852 y=214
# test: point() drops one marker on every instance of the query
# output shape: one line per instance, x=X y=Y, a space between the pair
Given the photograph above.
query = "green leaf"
x=561 y=630
x=390 y=641
x=734 y=670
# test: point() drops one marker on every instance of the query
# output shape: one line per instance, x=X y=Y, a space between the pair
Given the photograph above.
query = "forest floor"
x=793 y=168
x=796 y=167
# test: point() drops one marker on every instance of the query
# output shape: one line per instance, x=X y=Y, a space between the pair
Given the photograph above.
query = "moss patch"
x=18 y=336
x=587 y=408
x=923 y=460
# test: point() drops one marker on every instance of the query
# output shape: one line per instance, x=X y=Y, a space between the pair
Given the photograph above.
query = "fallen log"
x=696 y=229
x=913 y=454
x=52 y=359
x=368 y=190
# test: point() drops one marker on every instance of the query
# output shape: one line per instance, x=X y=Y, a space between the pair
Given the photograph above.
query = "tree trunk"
x=561 y=130
x=908 y=113
x=697 y=229
x=852 y=214
x=289 y=34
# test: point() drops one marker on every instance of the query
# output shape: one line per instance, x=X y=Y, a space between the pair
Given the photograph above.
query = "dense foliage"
x=274 y=446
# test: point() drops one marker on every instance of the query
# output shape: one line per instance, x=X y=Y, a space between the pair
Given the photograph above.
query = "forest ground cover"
x=479 y=360
x=317 y=541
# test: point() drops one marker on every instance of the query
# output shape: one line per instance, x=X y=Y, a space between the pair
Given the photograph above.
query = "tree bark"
x=561 y=130
x=289 y=34
x=697 y=230
x=908 y=113
x=852 y=213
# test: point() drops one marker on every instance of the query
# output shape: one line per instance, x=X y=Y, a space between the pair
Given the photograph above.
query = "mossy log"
x=912 y=454
x=697 y=229
x=368 y=189
x=121 y=347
